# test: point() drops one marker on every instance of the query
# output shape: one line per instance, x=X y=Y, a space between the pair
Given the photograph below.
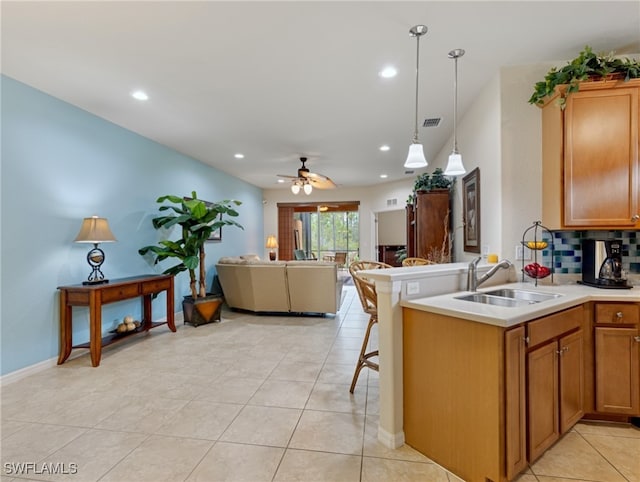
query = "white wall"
x=521 y=154
x=373 y=199
x=501 y=133
x=392 y=227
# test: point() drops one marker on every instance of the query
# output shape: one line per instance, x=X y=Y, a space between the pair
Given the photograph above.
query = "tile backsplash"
x=567 y=250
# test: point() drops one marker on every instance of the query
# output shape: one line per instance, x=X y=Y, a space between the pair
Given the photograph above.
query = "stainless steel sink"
x=508 y=297
x=493 y=300
x=532 y=296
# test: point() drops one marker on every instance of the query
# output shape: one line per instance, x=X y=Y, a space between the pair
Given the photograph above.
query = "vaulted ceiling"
x=279 y=80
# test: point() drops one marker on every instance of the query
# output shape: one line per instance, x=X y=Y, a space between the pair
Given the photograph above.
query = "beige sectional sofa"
x=249 y=283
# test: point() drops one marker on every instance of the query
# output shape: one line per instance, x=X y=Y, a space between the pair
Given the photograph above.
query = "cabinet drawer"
x=156 y=286
x=617 y=313
x=115 y=293
x=554 y=325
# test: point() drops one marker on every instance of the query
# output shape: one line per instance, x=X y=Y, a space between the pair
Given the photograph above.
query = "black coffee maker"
x=602 y=264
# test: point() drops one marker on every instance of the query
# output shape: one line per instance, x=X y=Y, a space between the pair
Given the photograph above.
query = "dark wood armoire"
x=429 y=225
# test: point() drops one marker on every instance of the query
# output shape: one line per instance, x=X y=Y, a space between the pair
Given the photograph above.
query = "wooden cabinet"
x=617 y=358
x=555 y=373
x=590 y=150
x=388 y=254
x=515 y=401
x=428 y=225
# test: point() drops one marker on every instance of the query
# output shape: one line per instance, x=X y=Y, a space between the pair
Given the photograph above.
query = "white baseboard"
x=52 y=362
x=390 y=440
x=27 y=371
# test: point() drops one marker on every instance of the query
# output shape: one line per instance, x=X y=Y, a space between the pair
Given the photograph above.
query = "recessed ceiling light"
x=388 y=72
x=383 y=176
x=280 y=181
x=384 y=148
x=238 y=156
x=140 y=95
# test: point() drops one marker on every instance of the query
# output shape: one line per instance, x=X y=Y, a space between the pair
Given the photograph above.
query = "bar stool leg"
x=363 y=359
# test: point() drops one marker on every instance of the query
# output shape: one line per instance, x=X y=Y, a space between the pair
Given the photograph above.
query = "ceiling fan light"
x=415 y=158
x=295 y=188
x=307 y=188
x=454 y=166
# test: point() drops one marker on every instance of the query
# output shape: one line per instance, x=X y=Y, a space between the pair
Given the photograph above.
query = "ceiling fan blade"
x=288 y=177
x=321 y=182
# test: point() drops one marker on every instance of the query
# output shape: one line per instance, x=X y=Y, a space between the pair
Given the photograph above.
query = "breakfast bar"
x=459 y=365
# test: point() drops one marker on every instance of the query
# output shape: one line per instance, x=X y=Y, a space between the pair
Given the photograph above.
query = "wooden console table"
x=94 y=296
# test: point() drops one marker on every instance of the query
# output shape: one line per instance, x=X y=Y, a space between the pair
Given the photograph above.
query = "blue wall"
x=61 y=164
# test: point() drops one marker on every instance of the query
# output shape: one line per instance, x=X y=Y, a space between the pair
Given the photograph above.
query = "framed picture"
x=471 y=210
x=217 y=234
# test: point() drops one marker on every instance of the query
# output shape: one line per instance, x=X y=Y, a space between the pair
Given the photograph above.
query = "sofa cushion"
x=250 y=257
x=310 y=263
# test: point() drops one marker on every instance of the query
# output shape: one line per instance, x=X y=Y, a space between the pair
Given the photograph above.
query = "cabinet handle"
x=637 y=338
x=565 y=348
x=635 y=217
x=559 y=352
x=619 y=315
x=526 y=340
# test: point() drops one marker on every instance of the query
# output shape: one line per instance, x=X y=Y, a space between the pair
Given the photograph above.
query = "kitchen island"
x=453 y=372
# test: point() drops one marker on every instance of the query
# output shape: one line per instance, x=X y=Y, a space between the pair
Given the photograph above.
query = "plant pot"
x=202 y=310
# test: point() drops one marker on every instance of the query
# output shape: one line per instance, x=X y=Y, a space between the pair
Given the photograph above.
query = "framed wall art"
x=471 y=210
x=217 y=234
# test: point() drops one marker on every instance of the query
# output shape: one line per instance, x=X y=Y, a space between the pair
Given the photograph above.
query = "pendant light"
x=415 y=158
x=454 y=166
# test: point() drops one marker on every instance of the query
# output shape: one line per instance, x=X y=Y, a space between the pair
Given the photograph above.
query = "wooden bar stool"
x=369 y=300
x=416 y=262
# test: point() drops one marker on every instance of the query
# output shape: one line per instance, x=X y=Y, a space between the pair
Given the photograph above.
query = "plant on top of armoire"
x=437 y=180
x=198 y=220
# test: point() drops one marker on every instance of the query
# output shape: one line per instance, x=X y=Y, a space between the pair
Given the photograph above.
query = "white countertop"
x=507 y=316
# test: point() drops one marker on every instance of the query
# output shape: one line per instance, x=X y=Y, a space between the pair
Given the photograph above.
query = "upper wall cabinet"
x=590 y=169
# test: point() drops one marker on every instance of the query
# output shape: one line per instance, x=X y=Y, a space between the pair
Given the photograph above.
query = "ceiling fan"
x=307 y=180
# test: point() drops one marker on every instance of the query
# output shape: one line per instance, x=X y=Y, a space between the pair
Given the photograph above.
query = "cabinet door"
x=515 y=400
x=601 y=158
x=431 y=223
x=571 y=380
x=542 y=368
x=617 y=370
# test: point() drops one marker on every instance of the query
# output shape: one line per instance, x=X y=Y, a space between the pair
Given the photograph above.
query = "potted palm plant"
x=198 y=220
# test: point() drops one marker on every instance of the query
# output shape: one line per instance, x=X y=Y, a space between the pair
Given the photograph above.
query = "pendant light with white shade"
x=454 y=166
x=415 y=158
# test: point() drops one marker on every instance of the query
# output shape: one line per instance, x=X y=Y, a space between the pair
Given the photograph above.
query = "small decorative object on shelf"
x=542 y=239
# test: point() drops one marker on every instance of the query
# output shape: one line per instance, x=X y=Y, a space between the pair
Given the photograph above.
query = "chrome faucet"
x=473 y=281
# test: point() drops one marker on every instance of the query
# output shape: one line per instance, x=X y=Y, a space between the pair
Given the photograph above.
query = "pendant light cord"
x=415 y=132
x=455 y=105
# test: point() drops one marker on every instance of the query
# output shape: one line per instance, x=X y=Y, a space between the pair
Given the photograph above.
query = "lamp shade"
x=454 y=166
x=95 y=230
x=295 y=188
x=416 y=158
x=307 y=188
x=272 y=242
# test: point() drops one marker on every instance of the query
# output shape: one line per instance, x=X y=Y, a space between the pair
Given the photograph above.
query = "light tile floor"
x=253 y=398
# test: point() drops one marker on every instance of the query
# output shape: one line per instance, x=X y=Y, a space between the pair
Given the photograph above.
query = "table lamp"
x=95 y=230
x=272 y=244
